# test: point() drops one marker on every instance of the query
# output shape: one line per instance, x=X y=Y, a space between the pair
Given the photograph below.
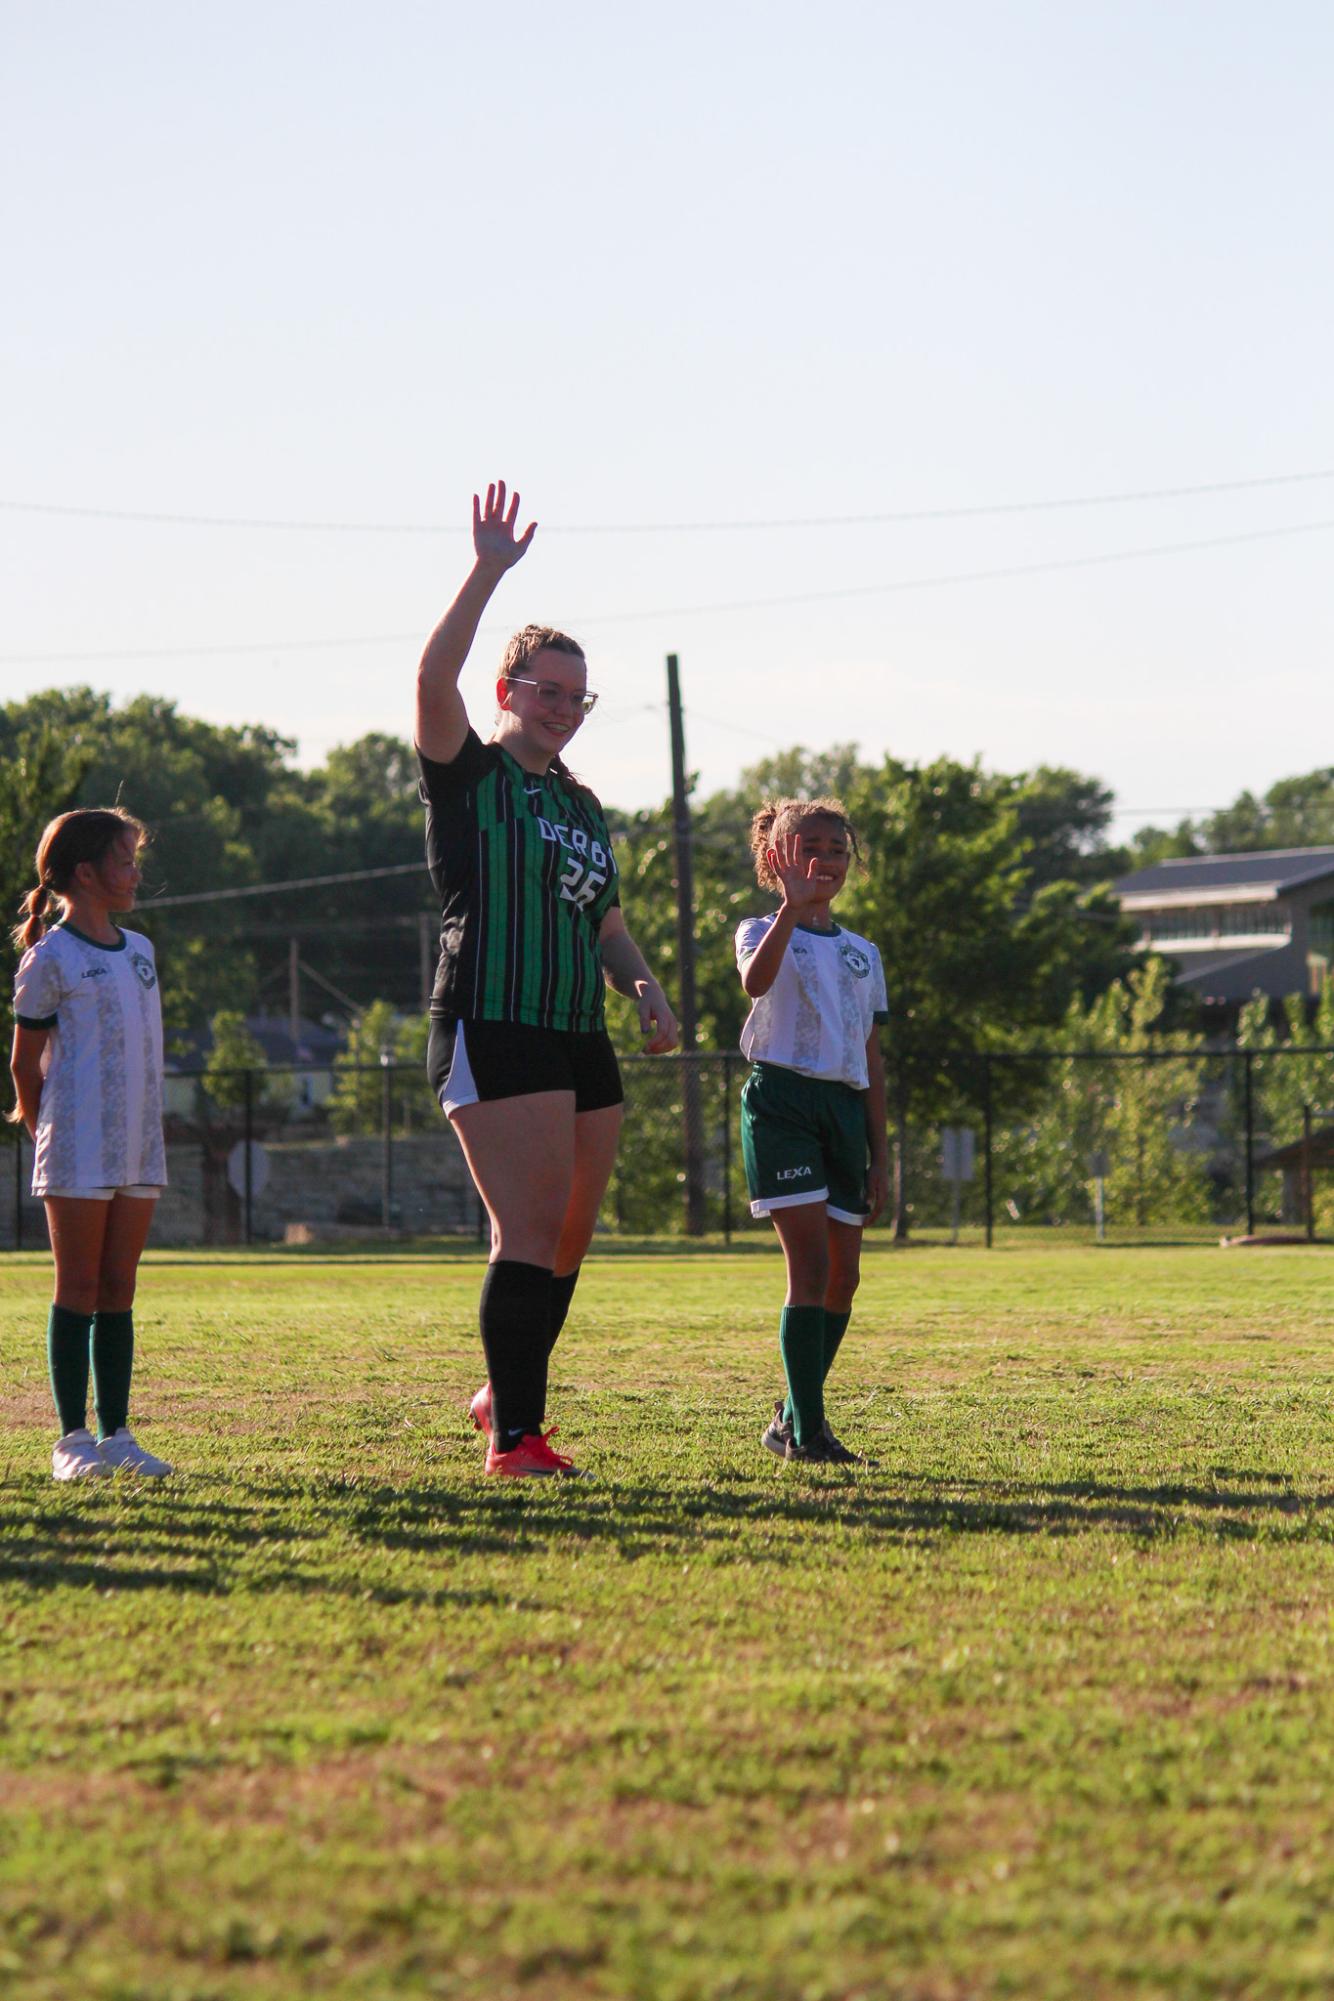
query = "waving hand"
x=493 y=537
x=442 y=720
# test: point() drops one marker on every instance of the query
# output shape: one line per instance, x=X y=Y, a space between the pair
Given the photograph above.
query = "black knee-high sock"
x=516 y=1317
x=562 y=1292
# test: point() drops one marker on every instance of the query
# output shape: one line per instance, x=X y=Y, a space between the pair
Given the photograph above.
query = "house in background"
x=308 y=1061
x=1238 y=925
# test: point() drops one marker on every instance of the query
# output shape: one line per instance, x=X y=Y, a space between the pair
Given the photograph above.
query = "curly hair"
x=779 y=817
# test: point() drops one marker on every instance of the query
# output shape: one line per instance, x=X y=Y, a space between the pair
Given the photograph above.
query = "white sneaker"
x=76 y=1457
x=122 y=1453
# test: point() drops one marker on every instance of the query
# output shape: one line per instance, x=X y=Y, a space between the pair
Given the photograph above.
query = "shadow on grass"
x=169 y=1540
x=641 y=1520
x=332 y=1537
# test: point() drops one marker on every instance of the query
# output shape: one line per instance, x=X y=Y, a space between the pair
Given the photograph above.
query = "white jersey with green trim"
x=819 y=1012
x=99 y=1124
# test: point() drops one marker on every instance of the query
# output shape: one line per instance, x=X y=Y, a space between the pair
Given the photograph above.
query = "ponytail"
x=85 y=835
x=32 y=923
x=570 y=782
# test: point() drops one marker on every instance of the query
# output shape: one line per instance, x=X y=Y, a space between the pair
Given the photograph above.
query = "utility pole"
x=685 y=956
x=294 y=993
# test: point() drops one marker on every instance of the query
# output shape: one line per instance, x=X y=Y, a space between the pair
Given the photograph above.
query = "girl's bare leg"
x=521 y=1154
x=78 y=1232
x=596 y=1136
x=129 y=1220
x=803 y=1233
x=845 y=1260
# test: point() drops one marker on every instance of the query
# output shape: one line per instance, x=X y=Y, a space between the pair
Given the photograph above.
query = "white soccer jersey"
x=100 y=1120
x=818 y=1013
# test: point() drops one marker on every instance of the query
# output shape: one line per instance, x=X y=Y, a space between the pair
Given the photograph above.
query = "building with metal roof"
x=1238 y=925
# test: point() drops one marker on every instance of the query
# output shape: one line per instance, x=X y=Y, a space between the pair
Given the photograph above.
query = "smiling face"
x=542 y=707
x=824 y=840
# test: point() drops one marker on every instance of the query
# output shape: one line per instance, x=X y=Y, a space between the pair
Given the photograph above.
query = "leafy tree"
x=1149 y=845
x=724 y=892
x=1294 y=813
x=381 y=1036
x=1062 y=819
x=228 y=809
x=972 y=961
x=1284 y=1084
x=1148 y=1118
x=234 y=1051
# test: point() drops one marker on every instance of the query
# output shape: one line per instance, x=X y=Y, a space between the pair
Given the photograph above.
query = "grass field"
x=1039 y=1704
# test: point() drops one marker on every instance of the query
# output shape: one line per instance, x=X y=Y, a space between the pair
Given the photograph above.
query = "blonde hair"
x=779 y=817
x=88 y=834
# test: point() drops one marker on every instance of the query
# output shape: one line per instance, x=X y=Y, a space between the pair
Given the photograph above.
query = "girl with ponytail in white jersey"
x=87 y=1068
x=813 y=1128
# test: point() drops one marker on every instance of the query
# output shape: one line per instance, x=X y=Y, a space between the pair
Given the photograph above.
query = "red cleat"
x=532 y=1455
x=480 y=1410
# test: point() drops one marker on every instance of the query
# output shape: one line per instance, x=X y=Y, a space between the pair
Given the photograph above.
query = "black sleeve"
x=446 y=781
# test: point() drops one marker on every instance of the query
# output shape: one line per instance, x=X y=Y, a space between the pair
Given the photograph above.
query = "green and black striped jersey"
x=525 y=874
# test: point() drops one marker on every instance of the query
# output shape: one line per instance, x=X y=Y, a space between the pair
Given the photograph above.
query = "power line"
x=1010 y=570
x=714 y=842
x=276 y=888
x=943 y=581
x=170 y=519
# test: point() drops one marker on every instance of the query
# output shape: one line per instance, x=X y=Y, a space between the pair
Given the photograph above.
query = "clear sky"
x=717 y=263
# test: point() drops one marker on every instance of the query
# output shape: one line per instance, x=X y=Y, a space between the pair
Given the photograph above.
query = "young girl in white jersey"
x=813 y=1130
x=87 y=1069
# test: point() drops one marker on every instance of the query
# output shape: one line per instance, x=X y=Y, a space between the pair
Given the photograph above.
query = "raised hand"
x=493 y=537
x=801 y=878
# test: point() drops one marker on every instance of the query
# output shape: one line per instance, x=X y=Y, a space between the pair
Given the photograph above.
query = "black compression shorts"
x=476 y=1062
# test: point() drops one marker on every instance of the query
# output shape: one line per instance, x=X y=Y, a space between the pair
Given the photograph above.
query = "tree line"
x=988 y=893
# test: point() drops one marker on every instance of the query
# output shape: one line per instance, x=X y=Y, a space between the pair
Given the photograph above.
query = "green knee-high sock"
x=113 y=1363
x=801 y=1339
x=835 y=1327
x=67 y=1359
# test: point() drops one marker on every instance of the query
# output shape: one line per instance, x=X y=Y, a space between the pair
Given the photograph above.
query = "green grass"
x=1040 y=1704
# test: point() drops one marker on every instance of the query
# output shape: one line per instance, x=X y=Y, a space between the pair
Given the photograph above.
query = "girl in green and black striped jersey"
x=531 y=934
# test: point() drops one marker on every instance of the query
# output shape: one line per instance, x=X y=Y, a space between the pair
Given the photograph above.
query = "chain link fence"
x=1135 y=1146
x=1138 y=1147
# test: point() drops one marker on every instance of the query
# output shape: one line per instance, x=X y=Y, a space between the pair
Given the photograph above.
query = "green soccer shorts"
x=803 y=1140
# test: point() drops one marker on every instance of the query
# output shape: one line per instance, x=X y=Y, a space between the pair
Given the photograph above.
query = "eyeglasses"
x=552 y=696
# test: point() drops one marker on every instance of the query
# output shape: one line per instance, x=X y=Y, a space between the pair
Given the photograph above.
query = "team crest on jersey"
x=855 y=960
x=143 y=970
